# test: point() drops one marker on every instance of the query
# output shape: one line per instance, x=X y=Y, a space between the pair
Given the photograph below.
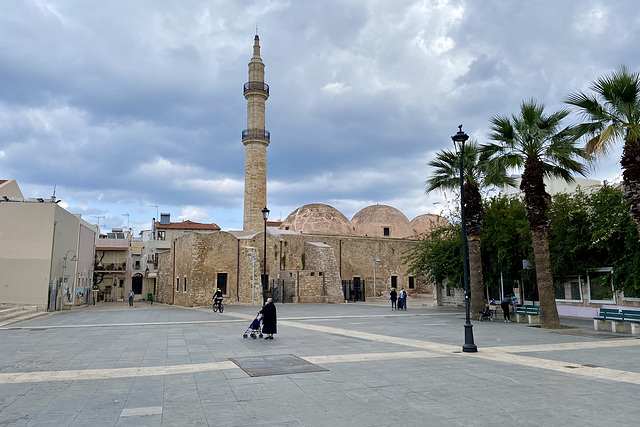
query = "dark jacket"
x=393 y=295
x=269 y=319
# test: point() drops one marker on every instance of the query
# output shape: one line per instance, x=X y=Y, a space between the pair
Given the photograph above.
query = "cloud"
x=127 y=105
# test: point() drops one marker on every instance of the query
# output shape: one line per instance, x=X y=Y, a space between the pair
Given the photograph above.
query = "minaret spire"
x=255 y=139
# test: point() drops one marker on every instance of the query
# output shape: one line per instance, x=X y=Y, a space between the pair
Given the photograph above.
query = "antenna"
x=256 y=28
x=99 y=217
x=127 y=215
x=54 y=191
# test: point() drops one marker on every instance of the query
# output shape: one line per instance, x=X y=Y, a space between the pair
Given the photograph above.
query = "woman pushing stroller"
x=269 y=319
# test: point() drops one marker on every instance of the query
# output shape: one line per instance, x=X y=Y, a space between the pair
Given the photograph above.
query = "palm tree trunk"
x=476 y=285
x=548 y=310
x=631 y=178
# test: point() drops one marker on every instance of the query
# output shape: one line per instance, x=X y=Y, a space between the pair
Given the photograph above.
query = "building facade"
x=46 y=253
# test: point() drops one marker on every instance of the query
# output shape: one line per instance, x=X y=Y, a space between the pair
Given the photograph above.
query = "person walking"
x=393 y=297
x=269 y=319
x=131 y=297
x=403 y=299
x=506 y=306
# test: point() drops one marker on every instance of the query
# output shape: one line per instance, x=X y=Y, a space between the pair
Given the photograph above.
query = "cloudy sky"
x=130 y=108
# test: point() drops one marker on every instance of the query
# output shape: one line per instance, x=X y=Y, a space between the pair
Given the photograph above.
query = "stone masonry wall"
x=163 y=284
x=311 y=287
x=354 y=257
x=321 y=258
x=201 y=257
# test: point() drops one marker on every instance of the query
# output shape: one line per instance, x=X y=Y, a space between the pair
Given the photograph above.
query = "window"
x=412 y=284
x=394 y=281
x=222 y=282
x=161 y=235
x=185 y=284
x=177 y=284
x=570 y=290
x=601 y=285
x=386 y=231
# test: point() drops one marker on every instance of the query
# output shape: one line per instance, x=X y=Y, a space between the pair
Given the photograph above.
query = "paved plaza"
x=329 y=365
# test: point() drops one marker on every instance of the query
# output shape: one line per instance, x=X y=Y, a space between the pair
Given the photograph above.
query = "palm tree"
x=446 y=176
x=536 y=143
x=613 y=115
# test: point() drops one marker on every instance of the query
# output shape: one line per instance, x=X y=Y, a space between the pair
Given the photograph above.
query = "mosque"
x=316 y=255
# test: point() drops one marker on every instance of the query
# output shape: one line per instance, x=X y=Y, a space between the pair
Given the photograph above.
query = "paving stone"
x=542 y=377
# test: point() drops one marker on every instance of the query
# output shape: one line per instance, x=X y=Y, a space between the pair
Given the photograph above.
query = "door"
x=136 y=284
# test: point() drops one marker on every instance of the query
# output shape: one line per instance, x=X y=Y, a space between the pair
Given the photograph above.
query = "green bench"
x=528 y=314
x=621 y=320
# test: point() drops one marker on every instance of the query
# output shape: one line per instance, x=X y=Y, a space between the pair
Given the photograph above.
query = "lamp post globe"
x=265 y=216
x=469 y=346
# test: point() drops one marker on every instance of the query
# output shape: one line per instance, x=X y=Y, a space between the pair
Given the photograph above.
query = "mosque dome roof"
x=425 y=223
x=317 y=218
x=381 y=221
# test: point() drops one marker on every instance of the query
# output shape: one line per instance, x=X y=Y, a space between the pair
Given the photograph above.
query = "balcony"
x=257 y=86
x=256 y=134
x=115 y=267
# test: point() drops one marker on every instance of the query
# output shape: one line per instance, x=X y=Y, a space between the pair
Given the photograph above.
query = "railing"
x=256 y=133
x=259 y=86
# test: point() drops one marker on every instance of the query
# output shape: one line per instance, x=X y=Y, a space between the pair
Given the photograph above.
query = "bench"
x=528 y=314
x=621 y=320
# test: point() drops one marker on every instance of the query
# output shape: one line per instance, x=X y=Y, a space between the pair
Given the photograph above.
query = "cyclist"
x=217 y=298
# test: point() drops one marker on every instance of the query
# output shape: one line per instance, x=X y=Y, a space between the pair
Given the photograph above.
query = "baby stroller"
x=486 y=314
x=255 y=328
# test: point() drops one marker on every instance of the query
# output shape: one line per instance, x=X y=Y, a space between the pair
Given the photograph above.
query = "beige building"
x=158 y=240
x=46 y=253
x=315 y=255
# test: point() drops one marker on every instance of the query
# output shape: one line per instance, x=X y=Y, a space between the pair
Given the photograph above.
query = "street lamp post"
x=64 y=269
x=469 y=347
x=265 y=216
x=375 y=260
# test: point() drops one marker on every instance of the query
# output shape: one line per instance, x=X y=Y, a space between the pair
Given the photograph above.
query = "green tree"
x=506 y=239
x=437 y=256
x=537 y=143
x=592 y=230
x=446 y=176
x=612 y=114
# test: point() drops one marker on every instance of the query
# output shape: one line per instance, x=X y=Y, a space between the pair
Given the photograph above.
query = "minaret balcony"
x=256 y=86
x=256 y=134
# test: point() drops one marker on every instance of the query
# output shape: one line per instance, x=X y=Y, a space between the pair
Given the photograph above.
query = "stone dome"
x=317 y=218
x=381 y=221
x=425 y=223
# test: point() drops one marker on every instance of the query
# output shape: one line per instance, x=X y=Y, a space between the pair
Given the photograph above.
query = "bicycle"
x=218 y=306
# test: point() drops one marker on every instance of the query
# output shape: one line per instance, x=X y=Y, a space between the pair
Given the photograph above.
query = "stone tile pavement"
x=113 y=365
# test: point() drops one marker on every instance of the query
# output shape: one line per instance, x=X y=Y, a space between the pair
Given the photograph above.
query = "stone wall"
x=164 y=289
x=309 y=266
x=354 y=257
x=311 y=287
x=321 y=258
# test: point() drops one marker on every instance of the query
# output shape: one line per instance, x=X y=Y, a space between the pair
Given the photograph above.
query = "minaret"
x=256 y=139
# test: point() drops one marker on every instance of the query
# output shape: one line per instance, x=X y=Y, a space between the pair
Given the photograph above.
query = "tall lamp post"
x=265 y=216
x=375 y=260
x=469 y=347
x=64 y=269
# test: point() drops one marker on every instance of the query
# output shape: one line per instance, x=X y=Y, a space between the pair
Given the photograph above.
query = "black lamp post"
x=469 y=347
x=265 y=216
